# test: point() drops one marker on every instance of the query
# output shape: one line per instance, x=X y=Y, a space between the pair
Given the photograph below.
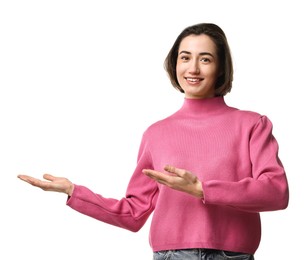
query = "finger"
x=22 y=177
x=177 y=171
x=26 y=178
x=151 y=173
x=31 y=180
x=181 y=173
x=49 y=177
x=158 y=176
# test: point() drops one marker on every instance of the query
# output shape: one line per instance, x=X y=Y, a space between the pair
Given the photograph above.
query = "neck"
x=203 y=106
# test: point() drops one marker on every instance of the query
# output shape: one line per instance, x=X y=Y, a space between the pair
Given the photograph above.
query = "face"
x=197 y=66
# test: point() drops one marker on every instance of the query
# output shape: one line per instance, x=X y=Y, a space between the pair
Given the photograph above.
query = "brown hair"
x=224 y=81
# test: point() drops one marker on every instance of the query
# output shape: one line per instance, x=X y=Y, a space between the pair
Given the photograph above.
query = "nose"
x=194 y=68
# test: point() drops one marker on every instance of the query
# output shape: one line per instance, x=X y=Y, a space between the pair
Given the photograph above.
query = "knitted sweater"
x=234 y=155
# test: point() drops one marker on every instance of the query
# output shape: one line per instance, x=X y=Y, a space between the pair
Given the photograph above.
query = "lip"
x=193 y=80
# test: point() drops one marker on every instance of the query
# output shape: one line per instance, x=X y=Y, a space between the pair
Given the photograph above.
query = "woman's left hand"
x=180 y=179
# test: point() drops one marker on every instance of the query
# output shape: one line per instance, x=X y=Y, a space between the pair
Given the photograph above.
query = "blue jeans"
x=200 y=254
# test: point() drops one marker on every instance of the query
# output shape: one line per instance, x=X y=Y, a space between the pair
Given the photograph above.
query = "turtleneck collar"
x=203 y=106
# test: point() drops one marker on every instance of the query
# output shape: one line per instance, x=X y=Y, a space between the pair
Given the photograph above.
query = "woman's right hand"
x=58 y=184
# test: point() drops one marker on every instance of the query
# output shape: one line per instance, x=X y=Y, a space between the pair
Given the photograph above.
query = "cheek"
x=179 y=69
x=212 y=74
x=179 y=73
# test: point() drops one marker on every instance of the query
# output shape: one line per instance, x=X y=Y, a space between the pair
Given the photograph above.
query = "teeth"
x=192 y=79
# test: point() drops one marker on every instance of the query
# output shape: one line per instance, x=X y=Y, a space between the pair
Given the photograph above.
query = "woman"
x=206 y=171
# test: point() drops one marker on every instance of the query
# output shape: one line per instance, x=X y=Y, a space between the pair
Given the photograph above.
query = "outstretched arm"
x=58 y=184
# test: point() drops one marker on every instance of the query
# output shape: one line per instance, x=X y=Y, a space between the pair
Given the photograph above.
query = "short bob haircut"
x=224 y=81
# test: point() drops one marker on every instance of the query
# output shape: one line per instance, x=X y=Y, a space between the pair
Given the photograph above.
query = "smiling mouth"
x=194 y=80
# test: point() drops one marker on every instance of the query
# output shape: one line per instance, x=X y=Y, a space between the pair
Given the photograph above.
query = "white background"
x=81 y=80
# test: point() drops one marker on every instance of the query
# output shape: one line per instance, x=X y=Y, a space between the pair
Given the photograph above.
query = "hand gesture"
x=179 y=179
x=53 y=183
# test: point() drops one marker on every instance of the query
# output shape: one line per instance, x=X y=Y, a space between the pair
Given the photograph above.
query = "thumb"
x=175 y=171
x=49 y=177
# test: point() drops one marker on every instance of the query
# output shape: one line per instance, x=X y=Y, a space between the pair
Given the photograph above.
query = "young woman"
x=206 y=171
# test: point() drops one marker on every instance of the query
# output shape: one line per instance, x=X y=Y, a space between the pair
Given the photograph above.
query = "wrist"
x=199 y=193
x=70 y=190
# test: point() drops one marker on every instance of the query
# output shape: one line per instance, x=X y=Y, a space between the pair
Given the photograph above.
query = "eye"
x=184 y=58
x=205 y=60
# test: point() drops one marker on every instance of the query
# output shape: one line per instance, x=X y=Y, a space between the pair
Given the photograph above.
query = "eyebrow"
x=201 y=53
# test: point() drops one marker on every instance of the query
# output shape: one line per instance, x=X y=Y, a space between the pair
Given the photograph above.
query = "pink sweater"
x=233 y=153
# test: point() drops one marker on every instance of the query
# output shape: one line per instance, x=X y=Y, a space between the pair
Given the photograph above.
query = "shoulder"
x=249 y=118
x=248 y=115
x=159 y=127
x=243 y=114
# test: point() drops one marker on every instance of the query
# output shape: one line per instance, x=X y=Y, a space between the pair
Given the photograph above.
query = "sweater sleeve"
x=130 y=212
x=267 y=187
